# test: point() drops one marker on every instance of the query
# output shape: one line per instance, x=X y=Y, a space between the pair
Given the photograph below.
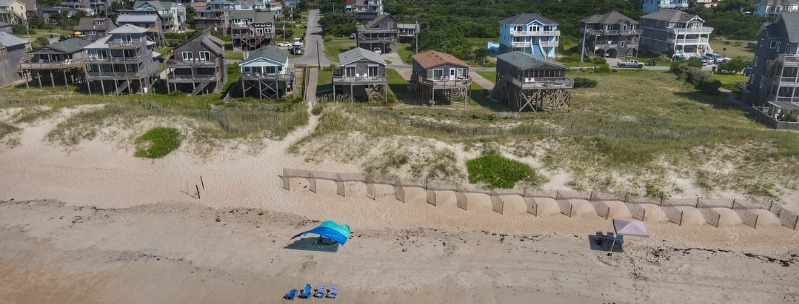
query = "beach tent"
x=631 y=228
x=329 y=229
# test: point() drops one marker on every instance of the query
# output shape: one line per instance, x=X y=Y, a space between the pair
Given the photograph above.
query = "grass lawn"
x=405 y=51
x=735 y=48
x=46 y=33
x=398 y=87
x=324 y=83
x=338 y=45
x=157 y=142
x=489 y=75
x=728 y=80
x=234 y=55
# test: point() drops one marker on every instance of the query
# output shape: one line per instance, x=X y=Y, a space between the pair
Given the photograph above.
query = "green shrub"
x=598 y=60
x=582 y=82
x=157 y=143
x=694 y=62
x=788 y=116
x=701 y=80
x=497 y=171
x=602 y=68
x=317 y=108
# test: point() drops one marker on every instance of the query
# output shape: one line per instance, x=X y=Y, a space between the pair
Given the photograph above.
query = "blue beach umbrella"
x=331 y=230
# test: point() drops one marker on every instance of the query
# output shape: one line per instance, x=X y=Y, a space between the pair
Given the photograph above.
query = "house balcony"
x=356 y=80
x=29 y=64
x=605 y=45
x=362 y=39
x=613 y=32
x=118 y=44
x=791 y=81
x=548 y=43
x=120 y=75
x=174 y=63
x=543 y=83
x=788 y=60
x=252 y=35
x=521 y=44
x=446 y=83
x=90 y=60
x=673 y=6
x=705 y=30
x=688 y=41
x=172 y=78
x=534 y=33
x=267 y=77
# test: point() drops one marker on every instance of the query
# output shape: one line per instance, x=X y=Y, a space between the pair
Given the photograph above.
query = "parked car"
x=705 y=61
x=715 y=58
x=630 y=64
x=378 y=50
x=284 y=44
x=353 y=36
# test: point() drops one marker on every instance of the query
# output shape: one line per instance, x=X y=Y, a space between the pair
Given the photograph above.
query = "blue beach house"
x=529 y=33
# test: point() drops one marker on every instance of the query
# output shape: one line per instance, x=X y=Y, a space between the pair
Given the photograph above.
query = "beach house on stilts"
x=197 y=65
x=440 y=73
x=362 y=73
x=121 y=63
x=526 y=81
x=265 y=73
x=59 y=61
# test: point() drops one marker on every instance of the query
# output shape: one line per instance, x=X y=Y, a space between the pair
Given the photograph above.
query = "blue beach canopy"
x=329 y=229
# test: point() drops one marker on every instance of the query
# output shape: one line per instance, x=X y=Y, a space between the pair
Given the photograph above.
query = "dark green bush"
x=598 y=60
x=788 y=116
x=157 y=143
x=499 y=172
x=694 y=62
x=701 y=80
x=582 y=82
x=602 y=68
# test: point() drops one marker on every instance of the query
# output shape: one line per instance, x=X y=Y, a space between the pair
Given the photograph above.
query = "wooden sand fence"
x=598 y=200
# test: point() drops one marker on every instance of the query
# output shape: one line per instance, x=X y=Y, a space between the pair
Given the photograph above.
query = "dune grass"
x=637 y=123
x=157 y=142
x=6 y=129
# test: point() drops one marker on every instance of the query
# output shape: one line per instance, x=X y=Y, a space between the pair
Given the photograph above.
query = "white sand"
x=159 y=244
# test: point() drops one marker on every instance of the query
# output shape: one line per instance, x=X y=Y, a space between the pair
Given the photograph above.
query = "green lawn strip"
x=489 y=75
x=234 y=55
x=398 y=87
x=728 y=80
x=336 y=46
x=157 y=142
x=497 y=171
x=324 y=83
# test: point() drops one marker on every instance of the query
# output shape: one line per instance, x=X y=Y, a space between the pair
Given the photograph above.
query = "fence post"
x=661 y=201
x=697 y=202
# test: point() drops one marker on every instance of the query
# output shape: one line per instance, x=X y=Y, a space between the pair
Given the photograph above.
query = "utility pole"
x=582 y=48
x=416 y=35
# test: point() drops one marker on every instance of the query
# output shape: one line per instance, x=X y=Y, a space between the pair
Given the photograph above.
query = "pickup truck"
x=630 y=64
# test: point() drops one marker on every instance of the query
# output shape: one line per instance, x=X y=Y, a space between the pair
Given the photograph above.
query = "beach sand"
x=118 y=229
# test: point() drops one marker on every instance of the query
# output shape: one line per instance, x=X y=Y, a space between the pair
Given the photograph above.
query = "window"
x=126 y=38
x=762 y=81
x=461 y=73
x=762 y=41
x=438 y=73
x=787 y=48
x=205 y=55
x=373 y=71
x=187 y=55
x=774 y=44
x=778 y=46
x=755 y=65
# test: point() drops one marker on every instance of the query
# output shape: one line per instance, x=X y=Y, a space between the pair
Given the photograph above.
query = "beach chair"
x=610 y=236
x=333 y=291
x=619 y=239
x=291 y=294
x=306 y=292
x=320 y=292
x=600 y=238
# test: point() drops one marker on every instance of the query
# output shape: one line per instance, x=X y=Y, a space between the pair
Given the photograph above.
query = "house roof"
x=613 y=17
x=69 y=46
x=157 y=5
x=526 y=18
x=786 y=27
x=87 y=24
x=255 y=16
x=670 y=16
x=213 y=43
x=358 y=54
x=136 y=18
x=8 y=2
x=431 y=59
x=270 y=52
x=30 y=5
x=101 y=43
x=7 y=40
x=379 y=19
x=525 y=61
x=128 y=29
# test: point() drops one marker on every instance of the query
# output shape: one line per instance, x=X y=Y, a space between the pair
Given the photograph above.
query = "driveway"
x=314 y=52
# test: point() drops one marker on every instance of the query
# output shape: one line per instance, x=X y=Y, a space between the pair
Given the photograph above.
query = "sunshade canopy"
x=329 y=229
x=631 y=228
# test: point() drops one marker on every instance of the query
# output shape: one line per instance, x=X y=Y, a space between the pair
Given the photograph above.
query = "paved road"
x=314 y=52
